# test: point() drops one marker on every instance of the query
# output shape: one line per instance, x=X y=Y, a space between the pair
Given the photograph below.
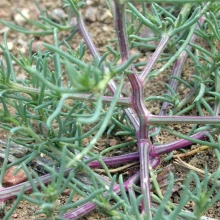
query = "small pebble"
x=129 y=139
x=3 y=30
x=73 y=21
x=146 y=32
x=37 y=44
x=113 y=142
x=15 y=215
x=126 y=89
x=106 y=17
x=90 y=14
x=89 y=2
x=58 y=14
x=10 y=179
x=10 y=45
x=106 y=28
x=19 y=20
x=66 y=192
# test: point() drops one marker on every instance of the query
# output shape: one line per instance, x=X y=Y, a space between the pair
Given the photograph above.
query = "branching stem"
x=138 y=105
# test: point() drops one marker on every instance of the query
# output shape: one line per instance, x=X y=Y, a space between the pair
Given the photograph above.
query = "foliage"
x=50 y=117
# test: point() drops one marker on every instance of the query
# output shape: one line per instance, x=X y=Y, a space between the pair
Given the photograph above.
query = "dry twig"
x=192 y=152
x=201 y=173
x=118 y=169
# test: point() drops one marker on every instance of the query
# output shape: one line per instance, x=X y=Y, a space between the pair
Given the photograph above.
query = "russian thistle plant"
x=53 y=118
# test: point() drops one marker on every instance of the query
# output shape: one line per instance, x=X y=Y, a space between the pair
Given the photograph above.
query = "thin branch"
x=166 y=148
x=89 y=206
x=111 y=84
x=192 y=152
x=144 y=145
x=118 y=169
x=178 y=67
x=150 y=64
x=125 y=101
x=158 y=120
x=200 y=172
